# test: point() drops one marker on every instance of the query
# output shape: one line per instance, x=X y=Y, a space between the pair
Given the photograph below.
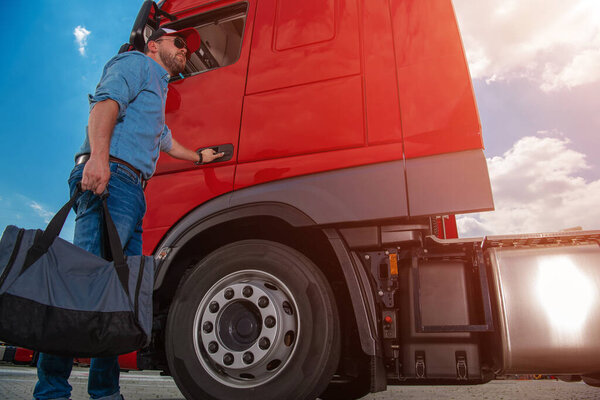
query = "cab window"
x=221 y=32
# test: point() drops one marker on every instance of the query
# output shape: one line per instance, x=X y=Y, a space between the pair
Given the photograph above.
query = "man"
x=126 y=130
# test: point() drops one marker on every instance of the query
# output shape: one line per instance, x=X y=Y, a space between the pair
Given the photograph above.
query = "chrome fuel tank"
x=547 y=302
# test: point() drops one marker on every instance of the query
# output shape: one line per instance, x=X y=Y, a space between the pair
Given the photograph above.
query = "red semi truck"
x=314 y=258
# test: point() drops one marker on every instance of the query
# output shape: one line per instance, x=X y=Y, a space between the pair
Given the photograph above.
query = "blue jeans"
x=127 y=207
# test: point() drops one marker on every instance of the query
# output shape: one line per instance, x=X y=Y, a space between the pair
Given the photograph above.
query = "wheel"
x=592 y=380
x=255 y=319
x=569 y=378
x=346 y=389
x=34 y=359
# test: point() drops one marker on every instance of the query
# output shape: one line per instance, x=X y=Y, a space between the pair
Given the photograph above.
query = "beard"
x=175 y=61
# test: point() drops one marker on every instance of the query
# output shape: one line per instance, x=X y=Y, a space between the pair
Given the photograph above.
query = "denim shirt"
x=139 y=85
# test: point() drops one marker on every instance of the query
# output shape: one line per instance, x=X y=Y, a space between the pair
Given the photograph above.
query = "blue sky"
x=536 y=70
x=45 y=80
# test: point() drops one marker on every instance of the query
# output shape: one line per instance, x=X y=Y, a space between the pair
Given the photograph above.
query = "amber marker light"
x=394 y=264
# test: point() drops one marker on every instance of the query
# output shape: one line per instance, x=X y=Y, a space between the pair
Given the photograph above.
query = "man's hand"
x=183 y=153
x=96 y=174
x=209 y=155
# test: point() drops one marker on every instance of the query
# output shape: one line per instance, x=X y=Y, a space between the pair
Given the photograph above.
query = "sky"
x=50 y=64
x=535 y=66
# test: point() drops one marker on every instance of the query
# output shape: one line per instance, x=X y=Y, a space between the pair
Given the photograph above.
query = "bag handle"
x=43 y=242
x=115 y=247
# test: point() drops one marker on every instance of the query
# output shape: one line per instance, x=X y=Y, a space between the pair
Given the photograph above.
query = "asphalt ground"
x=16 y=383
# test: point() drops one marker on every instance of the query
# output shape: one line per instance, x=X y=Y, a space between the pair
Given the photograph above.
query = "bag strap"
x=115 y=248
x=42 y=242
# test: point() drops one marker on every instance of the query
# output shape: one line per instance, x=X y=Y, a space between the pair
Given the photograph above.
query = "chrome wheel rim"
x=246 y=329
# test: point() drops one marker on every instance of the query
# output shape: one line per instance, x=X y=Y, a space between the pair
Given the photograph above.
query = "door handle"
x=227 y=149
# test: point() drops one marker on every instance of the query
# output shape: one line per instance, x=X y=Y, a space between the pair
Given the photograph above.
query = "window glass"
x=221 y=32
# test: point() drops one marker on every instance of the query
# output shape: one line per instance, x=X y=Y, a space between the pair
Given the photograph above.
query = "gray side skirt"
x=452 y=183
x=441 y=184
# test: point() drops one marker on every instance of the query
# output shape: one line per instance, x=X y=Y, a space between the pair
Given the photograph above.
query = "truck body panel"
x=390 y=83
x=352 y=138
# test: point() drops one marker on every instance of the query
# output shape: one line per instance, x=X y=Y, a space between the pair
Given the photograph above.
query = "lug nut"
x=287 y=308
x=247 y=291
x=264 y=343
x=229 y=293
x=213 y=347
x=248 y=357
x=207 y=327
x=228 y=359
x=263 y=302
x=270 y=322
x=213 y=307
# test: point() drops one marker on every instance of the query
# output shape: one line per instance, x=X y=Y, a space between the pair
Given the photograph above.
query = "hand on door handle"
x=215 y=153
x=208 y=155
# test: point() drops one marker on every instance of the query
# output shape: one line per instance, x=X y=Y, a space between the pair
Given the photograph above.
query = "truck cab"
x=318 y=257
x=346 y=89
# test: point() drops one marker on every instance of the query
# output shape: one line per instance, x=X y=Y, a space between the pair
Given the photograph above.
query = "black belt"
x=82 y=159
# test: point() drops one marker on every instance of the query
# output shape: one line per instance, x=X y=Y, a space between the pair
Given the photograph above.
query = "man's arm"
x=183 y=153
x=101 y=123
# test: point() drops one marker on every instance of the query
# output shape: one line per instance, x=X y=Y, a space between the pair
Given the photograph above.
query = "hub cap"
x=246 y=328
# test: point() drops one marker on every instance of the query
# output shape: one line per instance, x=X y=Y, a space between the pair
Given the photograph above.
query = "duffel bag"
x=60 y=299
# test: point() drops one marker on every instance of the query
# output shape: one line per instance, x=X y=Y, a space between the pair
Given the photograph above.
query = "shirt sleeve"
x=166 y=140
x=122 y=80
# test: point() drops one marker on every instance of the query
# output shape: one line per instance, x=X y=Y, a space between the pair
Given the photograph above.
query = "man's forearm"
x=101 y=123
x=182 y=153
x=100 y=128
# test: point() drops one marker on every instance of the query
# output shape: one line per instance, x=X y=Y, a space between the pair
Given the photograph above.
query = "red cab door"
x=203 y=110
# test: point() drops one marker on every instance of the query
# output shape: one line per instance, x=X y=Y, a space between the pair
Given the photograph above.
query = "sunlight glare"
x=565 y=293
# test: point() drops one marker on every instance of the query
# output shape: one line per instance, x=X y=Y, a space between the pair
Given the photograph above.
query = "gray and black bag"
x=60 y=299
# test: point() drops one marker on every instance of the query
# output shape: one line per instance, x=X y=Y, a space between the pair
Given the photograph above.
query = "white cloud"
x=537 y=189
x=552 y=42
x=20 y=210
x=584 y=68
x=552 y=132
x=81 y=35
x=41 y=211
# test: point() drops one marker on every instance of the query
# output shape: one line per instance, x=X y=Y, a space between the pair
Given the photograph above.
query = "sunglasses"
x=178 y=42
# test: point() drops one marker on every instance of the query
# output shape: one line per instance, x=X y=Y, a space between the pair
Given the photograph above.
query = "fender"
x=205 y=217
x=362 y=295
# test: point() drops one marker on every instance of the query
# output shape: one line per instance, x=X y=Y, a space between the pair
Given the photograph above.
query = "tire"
x=346 y=390
x=592 y=380
x=254 y=320
x=569 y=378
